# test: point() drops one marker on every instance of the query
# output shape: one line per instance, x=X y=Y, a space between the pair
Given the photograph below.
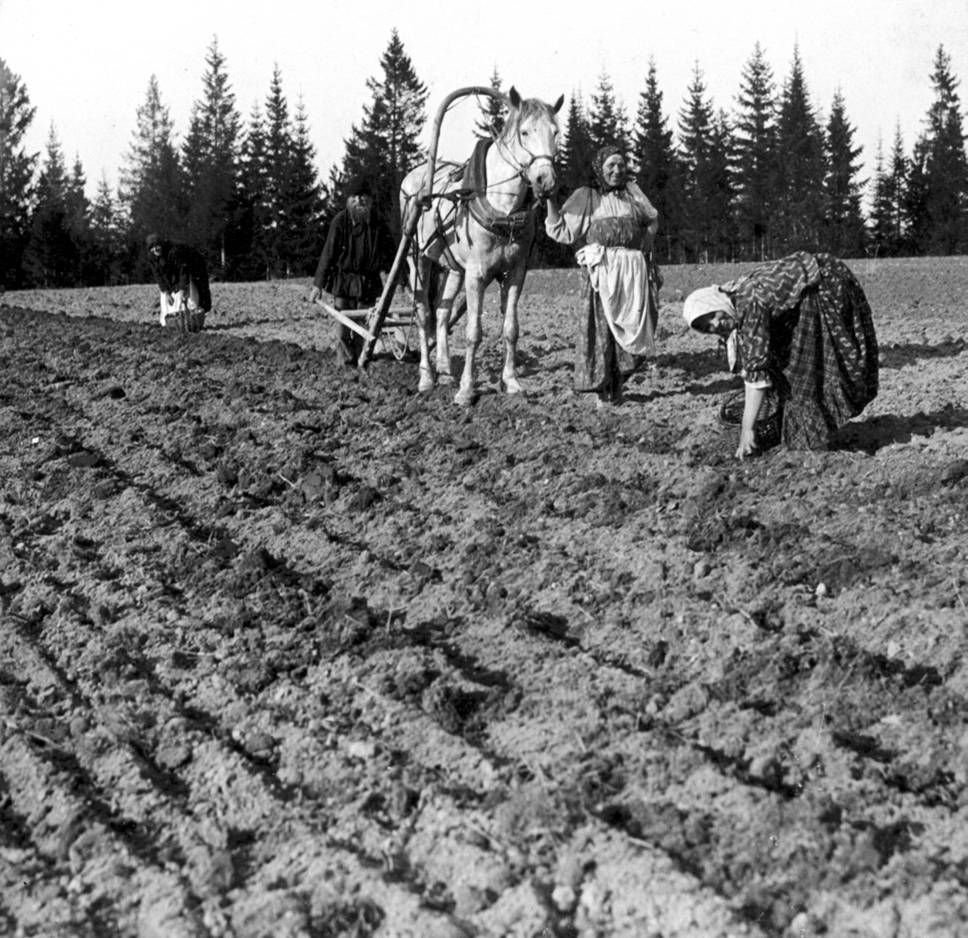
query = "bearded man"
x=359 y=249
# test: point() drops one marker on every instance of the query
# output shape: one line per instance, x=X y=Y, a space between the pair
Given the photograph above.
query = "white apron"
x=620 y=277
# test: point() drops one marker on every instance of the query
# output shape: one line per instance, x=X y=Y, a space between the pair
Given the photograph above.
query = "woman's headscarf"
x=706 y=300
x=598 y=165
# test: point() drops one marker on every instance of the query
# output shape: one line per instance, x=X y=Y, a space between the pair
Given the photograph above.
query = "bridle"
x=521 y=168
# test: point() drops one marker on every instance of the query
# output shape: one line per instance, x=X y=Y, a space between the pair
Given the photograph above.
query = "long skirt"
x=827 y=356
x=601 y=364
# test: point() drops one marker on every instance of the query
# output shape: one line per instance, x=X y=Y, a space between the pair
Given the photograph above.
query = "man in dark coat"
x=359 y=248
x=182 y=275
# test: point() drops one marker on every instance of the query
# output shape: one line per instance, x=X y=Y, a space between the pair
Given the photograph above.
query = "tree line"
x=767 y=177
x=772 y=177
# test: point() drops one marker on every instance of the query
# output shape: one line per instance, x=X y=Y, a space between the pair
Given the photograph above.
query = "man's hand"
x=169 y=299
x=315 y=294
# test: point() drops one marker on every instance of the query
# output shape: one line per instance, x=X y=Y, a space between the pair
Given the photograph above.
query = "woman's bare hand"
x=747 y=444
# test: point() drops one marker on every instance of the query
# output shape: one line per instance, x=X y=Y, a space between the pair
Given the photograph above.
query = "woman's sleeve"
x=573 y=217
x=647 y=213
x=754 y=336
x=642 y=201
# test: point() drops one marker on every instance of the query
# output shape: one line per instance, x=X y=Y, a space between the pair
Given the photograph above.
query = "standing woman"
x=800 y=332
x=614 y=225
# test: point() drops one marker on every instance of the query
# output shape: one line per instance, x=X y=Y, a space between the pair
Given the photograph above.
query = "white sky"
x=86 y=65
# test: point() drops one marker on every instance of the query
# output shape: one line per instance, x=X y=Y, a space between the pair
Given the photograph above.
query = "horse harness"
x=472 y=195
x=510 y=225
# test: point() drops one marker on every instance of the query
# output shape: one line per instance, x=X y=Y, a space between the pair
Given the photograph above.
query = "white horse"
x=480 y=231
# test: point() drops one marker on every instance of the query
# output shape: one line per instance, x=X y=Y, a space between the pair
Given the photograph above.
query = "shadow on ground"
x=898 y=356
x=886 y=429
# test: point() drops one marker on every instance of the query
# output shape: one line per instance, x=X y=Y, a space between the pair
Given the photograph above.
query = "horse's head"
x=530 y=139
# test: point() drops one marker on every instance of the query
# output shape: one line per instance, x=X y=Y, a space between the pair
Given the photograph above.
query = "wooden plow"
x=370 y=323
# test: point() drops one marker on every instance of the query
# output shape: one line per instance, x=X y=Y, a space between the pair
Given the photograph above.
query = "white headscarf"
x=706 y=300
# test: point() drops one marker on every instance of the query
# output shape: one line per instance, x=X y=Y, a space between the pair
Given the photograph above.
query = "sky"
x=86 y=66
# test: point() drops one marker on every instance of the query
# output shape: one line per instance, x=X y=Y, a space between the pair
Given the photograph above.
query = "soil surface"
x=290 y=651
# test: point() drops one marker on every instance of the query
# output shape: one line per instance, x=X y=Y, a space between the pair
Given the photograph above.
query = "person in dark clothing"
x=801 y=333
x=359 y=248
x=182 y=275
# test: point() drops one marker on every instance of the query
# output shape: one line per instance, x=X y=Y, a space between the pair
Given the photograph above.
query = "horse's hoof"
x=465 y=398
x=511 y=386
x=426 y=384
x=443 y=378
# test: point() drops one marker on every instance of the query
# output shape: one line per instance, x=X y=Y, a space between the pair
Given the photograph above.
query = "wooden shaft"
x=383 y=306
x=414 y=208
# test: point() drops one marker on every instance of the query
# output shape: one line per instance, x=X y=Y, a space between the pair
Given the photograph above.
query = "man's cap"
x=359 y=185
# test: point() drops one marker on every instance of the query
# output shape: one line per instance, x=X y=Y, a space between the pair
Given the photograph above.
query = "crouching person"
x=182 y=275
x=801 y=333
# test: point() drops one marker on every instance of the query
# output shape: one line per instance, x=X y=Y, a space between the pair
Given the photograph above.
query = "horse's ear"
x=558 y=104
x=514 y=97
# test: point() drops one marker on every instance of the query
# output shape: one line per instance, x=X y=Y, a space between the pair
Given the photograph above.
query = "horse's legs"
x=419 y=283
x=510 y=292
x=455 y=280
x=474 y=288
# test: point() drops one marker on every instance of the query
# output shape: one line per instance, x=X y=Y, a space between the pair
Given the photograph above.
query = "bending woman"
x=614 y=225
x=800 y=331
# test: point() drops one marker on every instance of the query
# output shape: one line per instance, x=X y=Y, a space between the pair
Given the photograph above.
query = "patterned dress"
x=619 y=284
x=805 y=330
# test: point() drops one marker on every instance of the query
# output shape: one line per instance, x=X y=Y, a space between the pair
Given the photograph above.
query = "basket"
x=769 y=422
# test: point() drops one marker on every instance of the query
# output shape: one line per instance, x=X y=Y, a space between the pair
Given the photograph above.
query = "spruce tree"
x=577 y=150
x=252 y=231
x=51 y=257
x=607 y=123
x=385 y=146
x=917 y=221
x=107 y=241
x=755 y=140
x=210 y=156
x=881 y=214
x=78 y=208
x=701 y=163
x=844 y=232
x=493 y=111
x=723 y=230
x=300 y=195
x=16 y=175
x=897 y=171
x=656 y=164
x=151 y=182
x=945 y=165
x=278 y=150
x=799 y=203
x=888 y=236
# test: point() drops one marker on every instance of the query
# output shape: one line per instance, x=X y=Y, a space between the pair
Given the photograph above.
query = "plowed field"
x=287 y=651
